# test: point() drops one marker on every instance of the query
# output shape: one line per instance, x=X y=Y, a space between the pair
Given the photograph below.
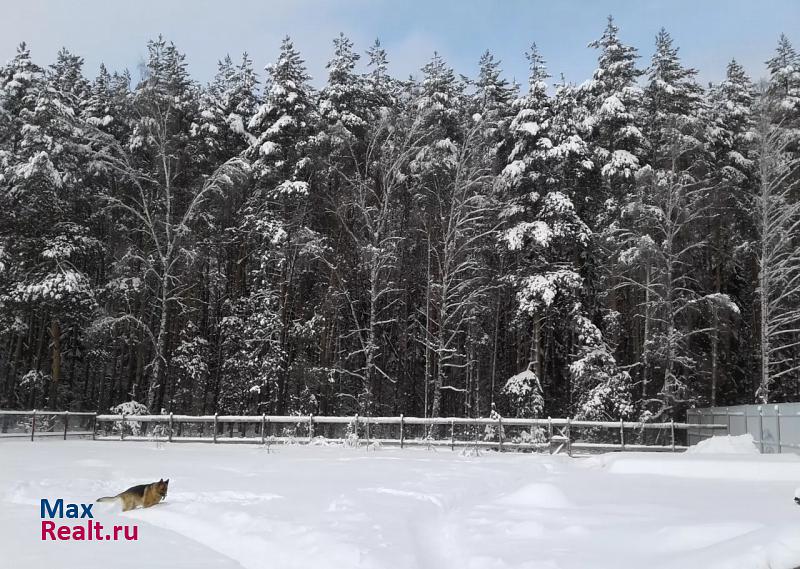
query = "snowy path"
x=345 y=508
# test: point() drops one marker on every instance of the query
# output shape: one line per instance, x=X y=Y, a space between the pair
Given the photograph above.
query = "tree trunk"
x=55 y=365
x=427 y=331
x=161 y=343
x=714 y=356
x=646 y=335
x=763 y=302
x=538 y=364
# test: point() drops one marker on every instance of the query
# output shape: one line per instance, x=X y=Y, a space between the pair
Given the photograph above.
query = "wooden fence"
x=47 y=424
x=553 y=435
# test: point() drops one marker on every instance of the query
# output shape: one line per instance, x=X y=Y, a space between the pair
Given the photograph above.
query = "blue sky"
x=709 y=32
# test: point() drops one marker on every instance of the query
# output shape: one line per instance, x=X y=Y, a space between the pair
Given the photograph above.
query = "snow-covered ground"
x=328 y=507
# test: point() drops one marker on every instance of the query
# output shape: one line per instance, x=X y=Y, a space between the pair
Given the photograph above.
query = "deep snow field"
x=239 y=506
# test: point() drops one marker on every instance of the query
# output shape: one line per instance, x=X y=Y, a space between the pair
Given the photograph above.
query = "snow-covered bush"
x=524 y=391
x=492 y=432
x=129 y=408
x=351 y=435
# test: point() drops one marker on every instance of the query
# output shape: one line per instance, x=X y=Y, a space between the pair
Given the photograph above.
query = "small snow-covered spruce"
x=603 y=391
x=524 y=391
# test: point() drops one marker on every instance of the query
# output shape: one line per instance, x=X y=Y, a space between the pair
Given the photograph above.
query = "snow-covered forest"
x=626 y=247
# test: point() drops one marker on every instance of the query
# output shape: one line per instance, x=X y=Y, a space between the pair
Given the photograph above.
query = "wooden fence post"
x=33 y=425
x=310 y=428
x=122 y=427
x=761 y=427
x=500 y=432
x=401 y=431
x=778 y=422
x=550 y=434
x=672 y=433
x=94 y=427
x=66 y=422
x=356 y=428
x=216 y=415
x=170 y=426
x=728 y=413
x=622 y=434
x=263 y=426
x=569 y=438
x=452 y=435
x=366 y=423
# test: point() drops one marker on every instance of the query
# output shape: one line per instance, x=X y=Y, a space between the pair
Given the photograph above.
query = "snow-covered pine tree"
x=362 y=178
x=528 y=164
x=491 y=101
x=784 y=82
x=251 y=352
x=614 y=102
x=108 y=106
x=611 y=106
x=658 y=234
x=544 y=231
x=45 y=239
x=277 y=215
x=731 y=178
x=342 y=102
x=676 y=110
x=379 y=87
x=225 y=108
x=282 y=126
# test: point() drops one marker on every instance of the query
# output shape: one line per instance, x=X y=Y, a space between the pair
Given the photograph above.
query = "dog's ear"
x=161 y=480
x=166 y=481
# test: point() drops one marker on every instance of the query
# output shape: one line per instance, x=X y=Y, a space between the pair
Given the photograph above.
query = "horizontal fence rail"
x=535 y=434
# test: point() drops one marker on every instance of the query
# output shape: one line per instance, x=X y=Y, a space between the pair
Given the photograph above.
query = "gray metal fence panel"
x=775 y=427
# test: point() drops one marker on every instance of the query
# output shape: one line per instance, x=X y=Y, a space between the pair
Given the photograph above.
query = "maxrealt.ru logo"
x=91 y=530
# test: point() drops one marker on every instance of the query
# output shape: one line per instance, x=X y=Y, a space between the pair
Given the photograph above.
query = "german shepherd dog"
x=144 y=495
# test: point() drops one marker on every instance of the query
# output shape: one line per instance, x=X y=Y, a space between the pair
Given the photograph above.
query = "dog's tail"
x=107 y=498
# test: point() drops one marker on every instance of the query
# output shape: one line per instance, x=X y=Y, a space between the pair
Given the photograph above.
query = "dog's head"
x=161 y=487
